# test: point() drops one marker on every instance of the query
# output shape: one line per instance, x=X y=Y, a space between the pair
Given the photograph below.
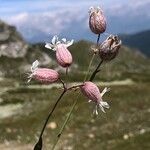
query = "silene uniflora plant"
x=106 y=51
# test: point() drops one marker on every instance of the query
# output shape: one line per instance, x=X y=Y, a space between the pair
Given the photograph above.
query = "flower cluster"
x=106 y=51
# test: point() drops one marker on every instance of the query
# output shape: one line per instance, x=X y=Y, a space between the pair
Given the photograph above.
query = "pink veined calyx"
x=91 y=91
x=44 y=75
x=97 y=20
x=63 y=56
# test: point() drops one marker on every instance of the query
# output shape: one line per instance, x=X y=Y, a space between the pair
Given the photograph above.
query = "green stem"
x=47 y=119
x=72 y=108
x=96 y=71
x=98 y=38
x=38 y=145
x=70 y=112
x=75 y=102
x=65 y=123
x=90 y=64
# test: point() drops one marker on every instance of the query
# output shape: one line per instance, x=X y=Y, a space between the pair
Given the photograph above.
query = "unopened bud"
x=43 y=75
x=46 y=75
x=91 y=91
x=109 y=49
x=63 y=56
x=97 y=20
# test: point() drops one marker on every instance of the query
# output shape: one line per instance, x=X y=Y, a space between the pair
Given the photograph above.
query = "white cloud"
x=56 y=16
x=47 y=22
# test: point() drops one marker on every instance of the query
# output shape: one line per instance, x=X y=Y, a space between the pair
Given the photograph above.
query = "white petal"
x=104 y=91
x=102 y=109
x=54 y=39
x=49 y=46
x=104 y=104
x=58 y=42
x=89 y=101
x=69 y=43
x=29 y=78
x=34 y=65
x=95 y=112
x=64 y=40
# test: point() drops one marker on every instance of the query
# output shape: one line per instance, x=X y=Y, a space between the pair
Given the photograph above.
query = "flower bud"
x=46 y=75
x=97 y=20
x=43 y=75
x=63 y=56
x=91 y=91
x=109 y=49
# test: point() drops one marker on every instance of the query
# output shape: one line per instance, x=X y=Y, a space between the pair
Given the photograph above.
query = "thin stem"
x=75 y=86
x=63 y=83
x=98 y=38
x=72 y=108
x=90 y=64
x=51 y=112
x=67 y=69
x=65 y=123
x=96 y=71
x=46 y=121
x=38 y=145
x=75 y=102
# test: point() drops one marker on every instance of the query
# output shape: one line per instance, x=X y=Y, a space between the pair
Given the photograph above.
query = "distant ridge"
x=140 y=40
x=16 y=57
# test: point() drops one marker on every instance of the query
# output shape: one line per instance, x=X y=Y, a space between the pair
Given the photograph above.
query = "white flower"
x=55 y=42
x=102 y=104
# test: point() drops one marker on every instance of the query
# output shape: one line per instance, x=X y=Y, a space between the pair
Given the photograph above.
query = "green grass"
x=129 y=114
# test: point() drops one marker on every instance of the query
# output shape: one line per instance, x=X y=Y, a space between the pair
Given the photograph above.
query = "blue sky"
x=9 y=7
x=57 y=16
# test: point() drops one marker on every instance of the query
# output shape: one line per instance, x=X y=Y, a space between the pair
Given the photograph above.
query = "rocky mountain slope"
x=15 y=54
x=16 y=57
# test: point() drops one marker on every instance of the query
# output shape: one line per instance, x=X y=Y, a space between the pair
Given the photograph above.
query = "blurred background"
x=25 y=26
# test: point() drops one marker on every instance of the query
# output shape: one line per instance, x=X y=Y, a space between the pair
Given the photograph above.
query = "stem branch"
x=75 y=102
x=64 y=91
x=96 y=71
x=38 y=145
x=98 y=38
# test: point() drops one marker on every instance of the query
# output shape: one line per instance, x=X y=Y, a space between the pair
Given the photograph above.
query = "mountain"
x=15 y=54
x=128 y=62
x=16 y=57
x=140 y=40
x=39 y=25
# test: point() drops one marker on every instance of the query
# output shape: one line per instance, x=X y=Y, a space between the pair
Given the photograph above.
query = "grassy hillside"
x=128 y=63
x=125 y=126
